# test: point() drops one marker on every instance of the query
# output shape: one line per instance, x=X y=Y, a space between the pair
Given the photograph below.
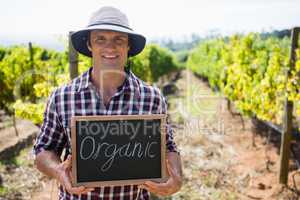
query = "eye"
x=100 y=39
x=120 y=40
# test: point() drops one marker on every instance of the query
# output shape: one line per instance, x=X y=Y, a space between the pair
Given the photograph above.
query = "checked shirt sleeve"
x=171 y=146
x=51 y=135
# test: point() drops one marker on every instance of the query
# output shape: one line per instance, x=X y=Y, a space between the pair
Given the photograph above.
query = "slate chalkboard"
x=118 y=149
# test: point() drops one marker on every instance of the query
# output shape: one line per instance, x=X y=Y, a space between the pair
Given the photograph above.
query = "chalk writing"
x=114 y=151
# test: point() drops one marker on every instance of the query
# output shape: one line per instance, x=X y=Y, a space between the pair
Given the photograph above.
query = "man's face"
x=109 y=49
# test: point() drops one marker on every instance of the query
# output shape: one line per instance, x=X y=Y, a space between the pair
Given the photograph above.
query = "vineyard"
x=251 y=71
x=28 y=76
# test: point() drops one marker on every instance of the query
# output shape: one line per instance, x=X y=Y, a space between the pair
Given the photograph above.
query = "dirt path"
x=219 y=159
x=47 y=192
x=8 y=135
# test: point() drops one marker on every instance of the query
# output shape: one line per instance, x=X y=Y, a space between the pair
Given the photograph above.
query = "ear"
x=88 y=46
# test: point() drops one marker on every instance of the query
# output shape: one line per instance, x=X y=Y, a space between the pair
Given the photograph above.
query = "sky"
x=42 y=20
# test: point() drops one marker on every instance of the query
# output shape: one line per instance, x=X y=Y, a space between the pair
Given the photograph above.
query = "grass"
x=3 y=191
x=196 y=108
x=196 y=101
x=23 y=158
x=12 y=172
x=6 y=124
x=20 y=159
x=199 y=102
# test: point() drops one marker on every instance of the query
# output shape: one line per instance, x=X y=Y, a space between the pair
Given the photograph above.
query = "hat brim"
x=79 y=39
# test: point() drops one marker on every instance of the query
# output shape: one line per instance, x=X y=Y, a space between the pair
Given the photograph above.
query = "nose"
x=110 y=44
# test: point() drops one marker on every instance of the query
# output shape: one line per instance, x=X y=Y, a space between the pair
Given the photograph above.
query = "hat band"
x=110 y=24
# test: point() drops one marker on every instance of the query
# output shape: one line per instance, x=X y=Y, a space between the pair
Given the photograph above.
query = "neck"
x=107 y=81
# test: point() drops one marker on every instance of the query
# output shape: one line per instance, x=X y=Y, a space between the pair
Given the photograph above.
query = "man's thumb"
x=68 y=162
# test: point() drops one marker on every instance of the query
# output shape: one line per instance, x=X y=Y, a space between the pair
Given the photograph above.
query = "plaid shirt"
x=80 y=98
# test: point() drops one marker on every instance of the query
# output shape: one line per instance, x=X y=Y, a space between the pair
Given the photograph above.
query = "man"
x=107 y=88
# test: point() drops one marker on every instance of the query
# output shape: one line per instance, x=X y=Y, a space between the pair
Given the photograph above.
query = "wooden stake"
x=73 y=59
x=288 y=116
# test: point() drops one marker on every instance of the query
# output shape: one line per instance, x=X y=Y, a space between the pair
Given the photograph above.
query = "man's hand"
x=63 y=175
x=172 y=185
x=50 y=164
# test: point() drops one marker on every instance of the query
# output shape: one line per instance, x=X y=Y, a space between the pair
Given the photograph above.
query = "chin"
x=112 y=67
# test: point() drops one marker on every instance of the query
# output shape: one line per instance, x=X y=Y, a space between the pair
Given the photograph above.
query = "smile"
x=110 y=56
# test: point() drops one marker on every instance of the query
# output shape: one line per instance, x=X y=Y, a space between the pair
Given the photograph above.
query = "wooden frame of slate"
x=118 y=149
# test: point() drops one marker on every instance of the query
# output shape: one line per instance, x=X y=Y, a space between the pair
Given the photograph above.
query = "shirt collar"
x=84 y=80
x=131 y=83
